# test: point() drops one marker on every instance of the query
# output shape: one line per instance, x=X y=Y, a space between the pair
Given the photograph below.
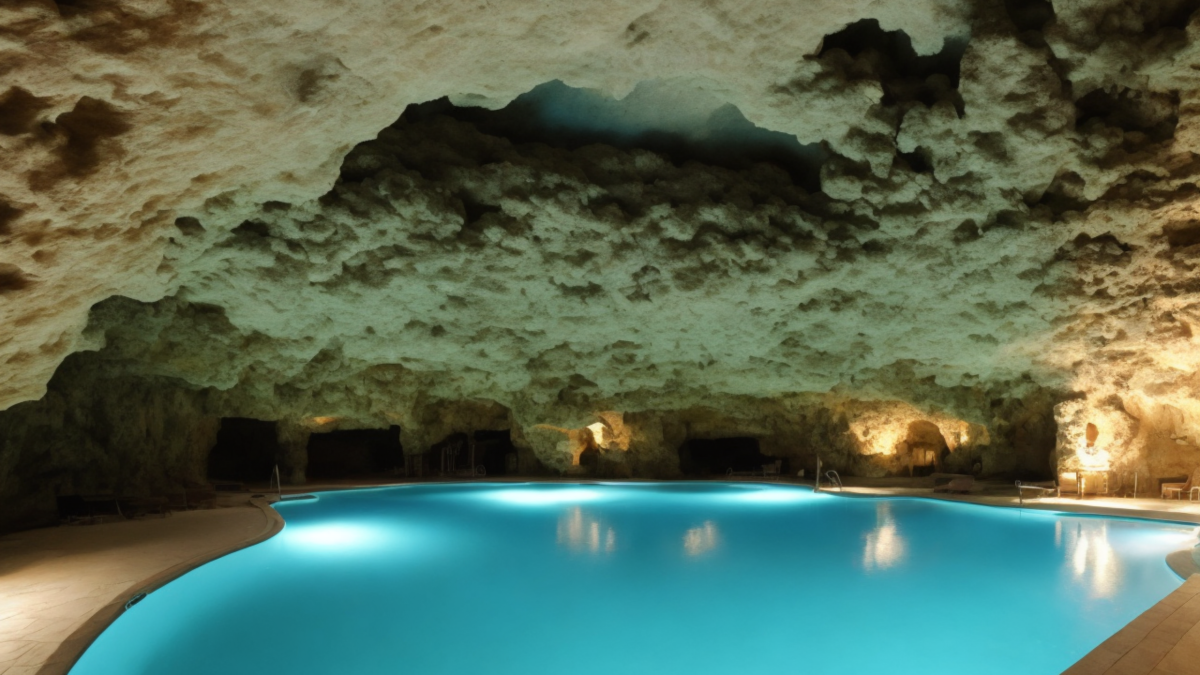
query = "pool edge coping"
x=70 y=650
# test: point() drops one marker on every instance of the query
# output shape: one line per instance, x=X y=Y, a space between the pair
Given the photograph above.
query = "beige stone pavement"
x=53 y=580
x=59 y=587
x=1164 y=640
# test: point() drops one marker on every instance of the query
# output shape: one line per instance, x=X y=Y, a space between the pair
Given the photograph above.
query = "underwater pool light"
x=335 y=536
x=772 y=495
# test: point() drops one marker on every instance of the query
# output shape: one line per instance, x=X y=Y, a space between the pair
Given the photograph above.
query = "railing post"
x=278 y=483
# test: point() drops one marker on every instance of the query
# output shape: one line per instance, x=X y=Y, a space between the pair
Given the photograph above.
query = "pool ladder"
x=831 y=475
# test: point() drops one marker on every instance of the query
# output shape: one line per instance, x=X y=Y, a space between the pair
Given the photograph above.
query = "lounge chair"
x=962 y=484
x=770 y=469
x=1191 y=488
x=1040 y=489
x=140 y=507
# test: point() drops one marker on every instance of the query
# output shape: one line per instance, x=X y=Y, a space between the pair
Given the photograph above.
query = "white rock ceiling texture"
x=1020 y=207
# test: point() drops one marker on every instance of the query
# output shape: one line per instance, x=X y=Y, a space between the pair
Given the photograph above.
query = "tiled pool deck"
x=59 y=587
x=1165 y=640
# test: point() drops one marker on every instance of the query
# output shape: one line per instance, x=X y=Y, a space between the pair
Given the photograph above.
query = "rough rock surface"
x=1004 y=222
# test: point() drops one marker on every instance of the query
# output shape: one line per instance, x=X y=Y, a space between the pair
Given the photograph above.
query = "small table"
x=1081 y=478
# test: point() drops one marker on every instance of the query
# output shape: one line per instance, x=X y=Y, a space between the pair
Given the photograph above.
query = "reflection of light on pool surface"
x=699 y=540
x=580 y=531
x=1090 y=556
x=884 y=546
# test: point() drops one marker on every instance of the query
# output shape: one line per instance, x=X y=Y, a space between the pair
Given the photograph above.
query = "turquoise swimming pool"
x=689 y=578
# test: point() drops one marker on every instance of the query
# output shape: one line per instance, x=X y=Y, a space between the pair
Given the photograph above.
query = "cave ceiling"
x=634 y=204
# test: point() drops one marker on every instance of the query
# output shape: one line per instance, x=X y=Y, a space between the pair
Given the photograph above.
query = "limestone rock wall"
x=94 y=435
x=219 y=195
x=119 y=117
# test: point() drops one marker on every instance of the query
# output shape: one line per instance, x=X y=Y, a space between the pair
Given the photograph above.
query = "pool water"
x=688 y=578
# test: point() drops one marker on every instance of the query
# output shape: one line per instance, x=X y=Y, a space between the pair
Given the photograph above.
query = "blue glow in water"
x=696 y=578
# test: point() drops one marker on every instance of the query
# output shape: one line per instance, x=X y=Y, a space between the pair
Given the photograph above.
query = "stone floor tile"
x=55 y=579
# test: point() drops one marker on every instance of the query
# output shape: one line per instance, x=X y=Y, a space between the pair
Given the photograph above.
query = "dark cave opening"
x=1151 y=113
x=906 y=76
x=448 y=457
x=354 y=453
x=560 y=116
x=487 y=452
x=494 y=450
x=1030 y=17
x=245 y=451
x=717 y=456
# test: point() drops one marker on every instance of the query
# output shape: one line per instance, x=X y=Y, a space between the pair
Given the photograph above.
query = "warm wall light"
x=1091 y=456
x=881 y=430
x=322 y=421
x=598 y=434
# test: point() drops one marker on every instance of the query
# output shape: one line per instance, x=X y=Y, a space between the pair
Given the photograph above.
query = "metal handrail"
x=277 y=481
x=834 y=479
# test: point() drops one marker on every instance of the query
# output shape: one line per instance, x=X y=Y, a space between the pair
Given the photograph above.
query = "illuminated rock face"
x=997 y=218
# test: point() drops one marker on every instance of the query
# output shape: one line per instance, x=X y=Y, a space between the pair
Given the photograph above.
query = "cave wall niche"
x=1153 y=439
x=354 y=453
x=494 y=450
x=709 y=457
x=246 y=451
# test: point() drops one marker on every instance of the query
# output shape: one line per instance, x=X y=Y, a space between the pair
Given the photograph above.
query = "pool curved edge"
x=70 y=650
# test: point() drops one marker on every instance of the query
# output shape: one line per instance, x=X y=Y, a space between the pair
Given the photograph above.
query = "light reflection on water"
x=1090 y=557
x=884 y=545
x=702 y=539
x=583 y=532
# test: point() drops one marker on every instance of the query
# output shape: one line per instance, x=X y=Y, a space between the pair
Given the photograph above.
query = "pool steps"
x=297 y=498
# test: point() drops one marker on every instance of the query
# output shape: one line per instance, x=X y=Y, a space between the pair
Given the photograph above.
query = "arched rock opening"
x=495 y=452
x=354 y=453
x=246 y=451
x=926 y=448
x=700 y=457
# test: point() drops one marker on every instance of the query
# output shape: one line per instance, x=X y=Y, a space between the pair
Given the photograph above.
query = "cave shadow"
x=354 y=454
x=245 y=451
x=706 y=457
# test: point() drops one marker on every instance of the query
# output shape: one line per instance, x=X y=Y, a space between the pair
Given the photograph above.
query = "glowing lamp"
x=1092 y=457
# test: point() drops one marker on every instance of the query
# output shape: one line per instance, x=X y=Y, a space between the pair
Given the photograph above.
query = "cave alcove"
x=354 y=453
x=448 y=456
x=245 y=451
x=927 y=448
x=494 y=450
x=716 y=456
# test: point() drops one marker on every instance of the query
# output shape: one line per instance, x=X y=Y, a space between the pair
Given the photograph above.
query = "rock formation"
x=987 y=235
